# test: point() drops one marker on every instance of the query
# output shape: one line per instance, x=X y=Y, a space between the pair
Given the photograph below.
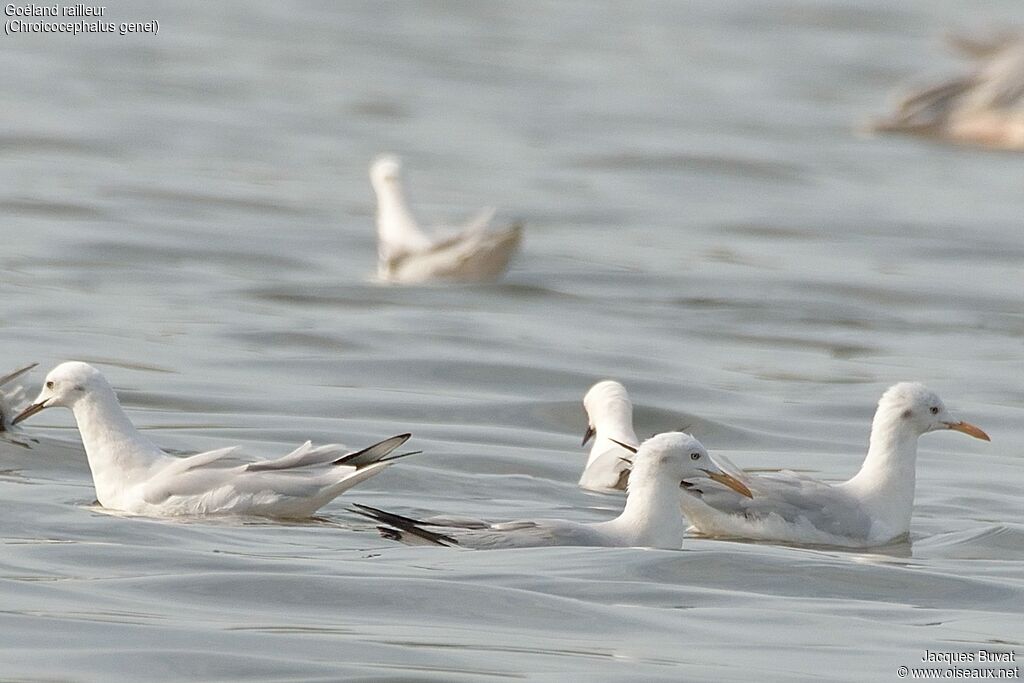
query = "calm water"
x=191 y=213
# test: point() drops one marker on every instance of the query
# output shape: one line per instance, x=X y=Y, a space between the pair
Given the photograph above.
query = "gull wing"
x=455 y=522
x=534 y=534
x=1001 y=82
x=12 y=398
x=8 y=378
x=306 y=455
x=984 y=106
x=982 y=47
x=480 y=221
x=399 y=528
x=927 y=108
x=783 y=496
x=518 y=525
x=478 y=256
x=375 y=453
x=182 y=465
x=302 y=456
x=608 y=471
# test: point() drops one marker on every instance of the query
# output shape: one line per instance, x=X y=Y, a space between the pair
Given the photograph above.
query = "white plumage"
x=609 y=420
x=406 y=254
x=874 y=507
x=650 y=518
x=985 y=107
x=133 y=475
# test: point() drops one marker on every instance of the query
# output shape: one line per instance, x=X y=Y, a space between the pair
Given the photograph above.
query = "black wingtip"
x=399 y=524
x=631 y=449
x=399 y=456
x=386 y=445
x=365 y=510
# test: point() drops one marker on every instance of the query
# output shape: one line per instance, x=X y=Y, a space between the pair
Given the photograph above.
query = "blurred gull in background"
x=406 y=254
x=985 y=107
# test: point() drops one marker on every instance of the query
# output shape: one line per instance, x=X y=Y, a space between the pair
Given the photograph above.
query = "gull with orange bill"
x=872 y=508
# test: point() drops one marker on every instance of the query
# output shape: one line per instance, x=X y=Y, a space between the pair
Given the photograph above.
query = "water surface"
x=191 y=213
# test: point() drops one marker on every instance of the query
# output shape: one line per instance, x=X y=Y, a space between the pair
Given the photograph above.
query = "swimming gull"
x=12 y=397
x=650 y=518
x=406 y=254
x=872 y=508
x=609 y=421
x=131 y=474
x=985 y=107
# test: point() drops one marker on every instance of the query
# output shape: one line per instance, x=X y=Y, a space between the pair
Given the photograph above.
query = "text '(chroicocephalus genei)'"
x=133 y=475
x=872 y=508
x=609 y=421
x=984 y=108
x=650 y=518
x=406 y=254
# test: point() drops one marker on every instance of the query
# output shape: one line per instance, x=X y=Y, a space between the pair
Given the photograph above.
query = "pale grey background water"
x=191 y=213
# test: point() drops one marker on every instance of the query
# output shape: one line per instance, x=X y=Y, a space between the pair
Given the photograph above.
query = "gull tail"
x=404 y=529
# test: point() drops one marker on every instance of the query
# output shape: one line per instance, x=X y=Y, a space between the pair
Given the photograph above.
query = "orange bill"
x=730 y=481
x=968 y=429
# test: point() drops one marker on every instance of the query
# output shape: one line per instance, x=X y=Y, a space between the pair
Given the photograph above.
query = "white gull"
x=131 y=474
x=872 y=508
x=650 y=517
x=985 y=107
x=609 y=421
x=406 y=254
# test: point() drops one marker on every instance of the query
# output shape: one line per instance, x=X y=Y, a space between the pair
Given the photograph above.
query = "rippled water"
x=191 y=213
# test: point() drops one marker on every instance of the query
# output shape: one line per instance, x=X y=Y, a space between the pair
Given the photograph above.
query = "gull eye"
x=694 y=456
x=49 y=385
x=935 y=410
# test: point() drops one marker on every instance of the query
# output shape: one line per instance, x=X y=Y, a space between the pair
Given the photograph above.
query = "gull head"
x=678 y=457
x=920 y=409
x=606 y=402
x=65 y=385
x=385 y=170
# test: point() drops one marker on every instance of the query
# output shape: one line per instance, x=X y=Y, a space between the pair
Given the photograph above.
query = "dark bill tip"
x=28 y=412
